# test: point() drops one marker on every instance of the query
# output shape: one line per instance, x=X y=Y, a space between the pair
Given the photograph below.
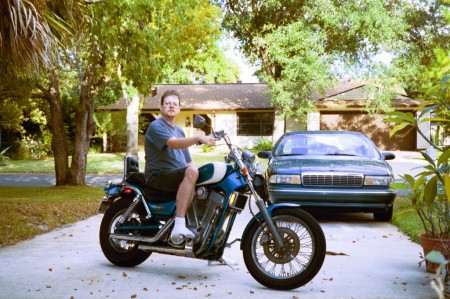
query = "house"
x=245 y=112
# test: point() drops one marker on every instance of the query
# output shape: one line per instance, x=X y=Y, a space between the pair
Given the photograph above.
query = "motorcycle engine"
x=204 y=211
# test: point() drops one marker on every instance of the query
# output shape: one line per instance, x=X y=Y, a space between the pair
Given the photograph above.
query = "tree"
x=137 y=38
x=148 y=37
x=298 y=44
x=34 y=32
x=30 y=32
x=210 y=66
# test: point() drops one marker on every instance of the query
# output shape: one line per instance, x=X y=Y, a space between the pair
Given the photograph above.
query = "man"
x=169 y=165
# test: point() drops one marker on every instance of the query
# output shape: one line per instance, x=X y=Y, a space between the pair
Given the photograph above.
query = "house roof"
x=231 y=96
x=253 y=96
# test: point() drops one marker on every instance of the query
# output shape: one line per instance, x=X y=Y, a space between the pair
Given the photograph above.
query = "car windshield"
x=325 y=144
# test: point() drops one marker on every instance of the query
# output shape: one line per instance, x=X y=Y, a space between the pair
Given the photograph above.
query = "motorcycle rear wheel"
x=120 y=252
x=298 y=262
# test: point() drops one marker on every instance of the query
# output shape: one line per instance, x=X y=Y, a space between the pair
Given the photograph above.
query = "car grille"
x=332 y=180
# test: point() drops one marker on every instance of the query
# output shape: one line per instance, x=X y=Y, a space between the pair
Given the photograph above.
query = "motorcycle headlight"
x=377 y=180
x=293 y=179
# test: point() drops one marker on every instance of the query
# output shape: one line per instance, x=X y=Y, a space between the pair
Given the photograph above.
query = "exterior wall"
x=371 y=125
x=222 y=120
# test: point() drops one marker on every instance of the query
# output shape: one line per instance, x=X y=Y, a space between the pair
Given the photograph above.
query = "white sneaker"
x=181 y=231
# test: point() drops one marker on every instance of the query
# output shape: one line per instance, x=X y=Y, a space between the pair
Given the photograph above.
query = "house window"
x=255 y=123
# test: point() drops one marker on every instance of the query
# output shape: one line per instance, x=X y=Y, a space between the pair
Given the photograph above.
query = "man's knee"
x=191 y=173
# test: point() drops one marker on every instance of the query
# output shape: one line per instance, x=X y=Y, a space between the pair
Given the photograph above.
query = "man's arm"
x=180 y=143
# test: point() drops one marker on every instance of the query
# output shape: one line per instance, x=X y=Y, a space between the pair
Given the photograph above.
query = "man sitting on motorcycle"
x=168 y=163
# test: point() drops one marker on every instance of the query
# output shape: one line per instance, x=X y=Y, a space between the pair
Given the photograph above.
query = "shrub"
x=263 y=144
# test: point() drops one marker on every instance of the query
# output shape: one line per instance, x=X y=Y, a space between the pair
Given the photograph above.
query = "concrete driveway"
x=365 y=259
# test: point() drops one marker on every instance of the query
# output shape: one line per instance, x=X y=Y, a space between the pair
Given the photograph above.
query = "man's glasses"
x=170 y=104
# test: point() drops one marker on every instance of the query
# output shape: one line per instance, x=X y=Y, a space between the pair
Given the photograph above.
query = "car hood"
x=335 y=164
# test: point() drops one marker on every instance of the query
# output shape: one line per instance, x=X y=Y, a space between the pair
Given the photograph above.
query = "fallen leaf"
x=145 y=289
x=124 y=274
x=181 y=277
x=133 y=296
x=336 y=253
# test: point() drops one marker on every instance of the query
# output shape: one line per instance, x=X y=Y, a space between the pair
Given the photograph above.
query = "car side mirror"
x=265 y=154
x=388 y=156
x=199 y=121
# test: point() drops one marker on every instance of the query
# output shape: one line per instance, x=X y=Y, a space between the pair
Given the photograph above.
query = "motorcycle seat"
x=150 y=194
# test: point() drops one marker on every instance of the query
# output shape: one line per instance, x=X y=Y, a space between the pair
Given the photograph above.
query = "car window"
x=326 y=144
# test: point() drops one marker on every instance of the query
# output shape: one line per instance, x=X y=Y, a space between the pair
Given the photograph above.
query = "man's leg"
x=185 y=194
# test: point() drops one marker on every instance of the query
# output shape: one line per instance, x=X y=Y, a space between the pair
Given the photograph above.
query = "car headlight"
x=377 y=180
x=285 y=179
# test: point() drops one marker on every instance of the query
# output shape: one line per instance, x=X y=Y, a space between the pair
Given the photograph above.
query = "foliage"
x=300 y=46
x=3 y=157
x=209 y=66
x=430 y=189
x=263 y=144
x=406 y=218
x=127 y=43
x=206 y=148
x=30 y=32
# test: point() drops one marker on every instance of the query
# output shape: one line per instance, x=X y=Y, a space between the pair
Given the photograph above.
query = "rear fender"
x=259 y=216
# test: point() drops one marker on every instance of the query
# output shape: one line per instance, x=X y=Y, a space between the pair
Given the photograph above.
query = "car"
x=337 y=171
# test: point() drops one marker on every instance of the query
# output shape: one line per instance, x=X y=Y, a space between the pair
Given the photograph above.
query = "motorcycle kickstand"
x=224 y=261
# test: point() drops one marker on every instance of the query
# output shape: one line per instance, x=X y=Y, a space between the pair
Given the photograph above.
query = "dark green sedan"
x=331 y=170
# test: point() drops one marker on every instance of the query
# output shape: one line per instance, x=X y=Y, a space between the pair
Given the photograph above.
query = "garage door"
x=371 y=125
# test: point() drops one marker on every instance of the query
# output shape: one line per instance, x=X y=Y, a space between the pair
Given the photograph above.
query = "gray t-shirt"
x=157 y=154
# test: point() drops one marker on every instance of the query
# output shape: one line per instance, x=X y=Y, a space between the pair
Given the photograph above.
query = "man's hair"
x=170 y=92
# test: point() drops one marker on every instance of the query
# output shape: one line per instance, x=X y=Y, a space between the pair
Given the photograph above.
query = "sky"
x=245 y=68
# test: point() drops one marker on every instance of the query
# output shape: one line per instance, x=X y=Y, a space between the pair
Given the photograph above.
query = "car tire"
x=384 y=216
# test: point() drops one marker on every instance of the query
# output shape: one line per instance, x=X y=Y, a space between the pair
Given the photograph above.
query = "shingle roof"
x=248 y=96
x=237 y=96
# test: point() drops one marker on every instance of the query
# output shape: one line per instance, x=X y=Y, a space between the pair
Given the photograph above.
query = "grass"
x=28 y=211
x=406 y=219
x=97 y=163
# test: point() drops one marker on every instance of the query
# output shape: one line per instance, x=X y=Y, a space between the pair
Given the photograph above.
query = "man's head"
x=170 y=103
x=170 y=92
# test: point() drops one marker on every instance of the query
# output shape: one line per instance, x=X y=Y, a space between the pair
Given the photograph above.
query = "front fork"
x=265 y=215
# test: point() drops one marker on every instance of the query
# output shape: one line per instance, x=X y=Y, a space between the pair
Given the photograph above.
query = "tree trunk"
x=133 y=126
x=59 y=137
x=105 y=142
x=84 y=128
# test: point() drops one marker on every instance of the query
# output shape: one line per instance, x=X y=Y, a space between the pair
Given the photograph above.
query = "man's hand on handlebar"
x=207 y=139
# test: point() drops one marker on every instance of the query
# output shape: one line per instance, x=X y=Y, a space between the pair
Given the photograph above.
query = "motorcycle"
x=283 y=246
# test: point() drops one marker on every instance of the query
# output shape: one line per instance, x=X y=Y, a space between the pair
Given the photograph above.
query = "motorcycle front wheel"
x=292 y=266
x=120 y=252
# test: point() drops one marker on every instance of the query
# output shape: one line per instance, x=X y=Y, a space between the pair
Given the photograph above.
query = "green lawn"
x=29 y=211
x=98 y=163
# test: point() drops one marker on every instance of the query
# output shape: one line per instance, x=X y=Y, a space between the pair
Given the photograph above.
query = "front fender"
x=259 y=216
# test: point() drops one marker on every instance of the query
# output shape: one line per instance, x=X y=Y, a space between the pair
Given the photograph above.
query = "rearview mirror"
x=199 y=121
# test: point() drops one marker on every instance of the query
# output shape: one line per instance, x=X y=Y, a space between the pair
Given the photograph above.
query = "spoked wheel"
x=297 y=262
x=120 y=252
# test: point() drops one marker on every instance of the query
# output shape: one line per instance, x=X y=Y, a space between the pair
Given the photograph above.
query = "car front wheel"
x=384 y=216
